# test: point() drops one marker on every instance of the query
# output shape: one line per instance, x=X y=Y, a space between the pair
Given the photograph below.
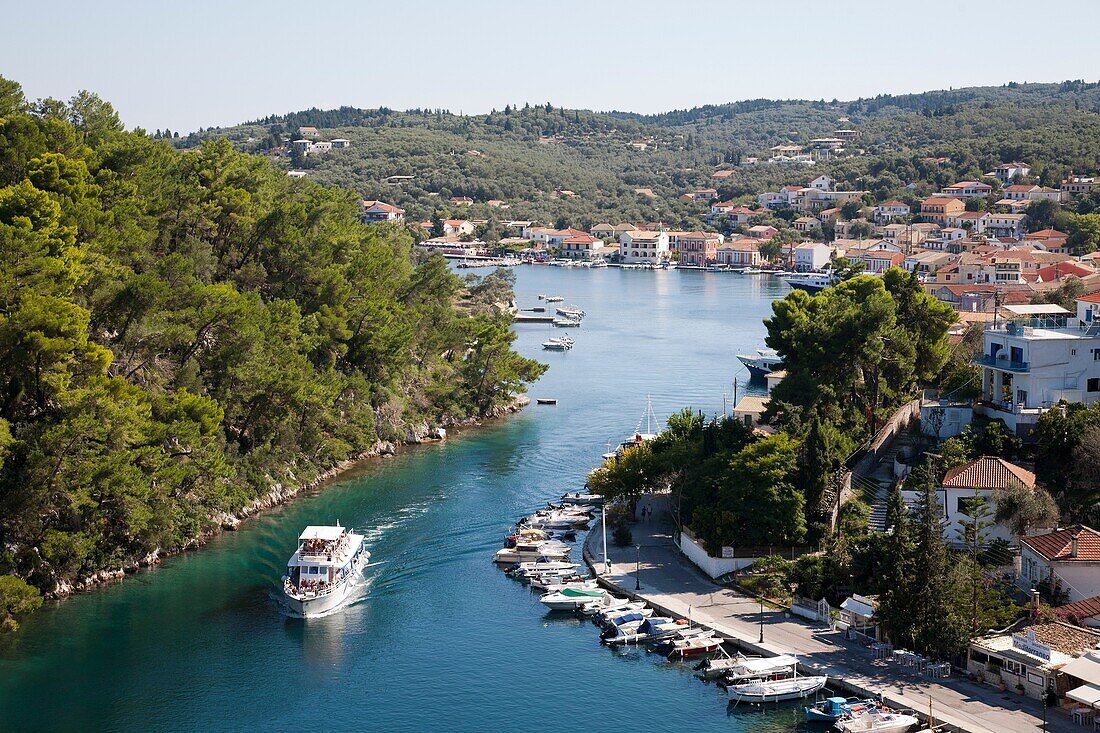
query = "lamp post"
x=638 y=568
x=761 y=619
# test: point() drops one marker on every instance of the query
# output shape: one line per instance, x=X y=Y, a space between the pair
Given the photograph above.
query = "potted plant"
x=1019 y=688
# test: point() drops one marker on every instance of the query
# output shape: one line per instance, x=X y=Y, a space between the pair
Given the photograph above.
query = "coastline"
x=279 y=494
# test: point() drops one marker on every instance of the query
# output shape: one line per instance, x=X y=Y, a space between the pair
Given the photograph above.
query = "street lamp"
x=638 y=568
x=761 y=619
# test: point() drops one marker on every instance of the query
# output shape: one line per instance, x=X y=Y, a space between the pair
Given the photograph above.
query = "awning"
x=1045 y=309
x=1086 y=669
x=314 y=532
x=857 y=607
x=1088 y=694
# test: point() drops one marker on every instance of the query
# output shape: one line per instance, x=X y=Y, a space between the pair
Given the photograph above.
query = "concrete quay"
x=675 y=587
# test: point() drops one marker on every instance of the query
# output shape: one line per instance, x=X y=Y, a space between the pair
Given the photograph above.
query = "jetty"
x=674 y=587
x=532 y=318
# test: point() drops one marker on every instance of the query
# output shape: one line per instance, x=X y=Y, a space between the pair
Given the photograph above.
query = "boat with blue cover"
x=832 y=709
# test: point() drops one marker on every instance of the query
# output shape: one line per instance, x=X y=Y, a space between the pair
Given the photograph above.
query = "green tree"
x=17 y=599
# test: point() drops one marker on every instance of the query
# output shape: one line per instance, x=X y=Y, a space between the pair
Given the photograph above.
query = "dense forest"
x=182 y=332
x=525 y=155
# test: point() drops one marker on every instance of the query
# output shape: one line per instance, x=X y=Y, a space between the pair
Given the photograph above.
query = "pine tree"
x=897 y=575
x=933 y=613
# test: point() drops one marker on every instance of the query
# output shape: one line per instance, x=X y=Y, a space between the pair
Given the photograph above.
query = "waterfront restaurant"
x=1031 y=658
x=1082 y=677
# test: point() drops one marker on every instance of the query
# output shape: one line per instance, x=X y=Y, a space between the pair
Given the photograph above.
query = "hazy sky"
x=183 y=65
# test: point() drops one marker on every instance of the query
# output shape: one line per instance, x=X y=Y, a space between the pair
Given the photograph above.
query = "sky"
x=185 y=65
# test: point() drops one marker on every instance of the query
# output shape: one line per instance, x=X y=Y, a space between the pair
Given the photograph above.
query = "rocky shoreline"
x=280 y=494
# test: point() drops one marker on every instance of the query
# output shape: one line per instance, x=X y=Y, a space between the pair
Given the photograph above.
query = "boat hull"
x=805 y=687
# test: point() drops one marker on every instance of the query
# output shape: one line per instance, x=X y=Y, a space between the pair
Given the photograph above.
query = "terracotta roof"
x=987 y=472
x=1079 y=609
x=1046 y=234
x=383 y=206
x=1056 y=545
x=893 y=203
x=939 y=200
x=1091 y=298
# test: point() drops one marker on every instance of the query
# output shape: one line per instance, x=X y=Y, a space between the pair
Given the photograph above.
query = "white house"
x=821 y=183
x=373 y=211
x=976 y=482
x=1007 y=172
x=811 y=256
x=1069 y=558
x=580 y=247
x=889 y=210
x=1006 y=225
x=644 y=247
x=1038 y=356
x=340 y=142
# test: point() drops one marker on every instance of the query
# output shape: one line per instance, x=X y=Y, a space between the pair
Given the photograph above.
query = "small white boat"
x=560 y=343
x=582 y=498
x=527 y=551
x=571 y=599
x=606 y=608
x=813 y=282
x=553 y=584
x=567 y=322
x=740 y=668
x=542 y=566
x=570 y=311
x=879 y=721
x=695 y=645
x=599 y=263
x=778 y=690
x=320 y=573
x=634 y=611
x=551 y=298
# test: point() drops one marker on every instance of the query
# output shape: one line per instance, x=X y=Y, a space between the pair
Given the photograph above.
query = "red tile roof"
x=1079 y=609
x=1056 y=545
x=988 y=472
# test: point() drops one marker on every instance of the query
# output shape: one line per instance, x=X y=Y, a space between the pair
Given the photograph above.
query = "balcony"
x=1005 y=365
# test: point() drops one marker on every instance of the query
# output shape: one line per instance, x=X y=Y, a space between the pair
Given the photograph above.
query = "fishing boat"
x=559 y=343
x=525 y=551
x=654 y=628
x=546 y=401
x=320 y=573
x=667 y=645
x=693 y=646
x=567 y=322
x=571 y=599
x=569 y=311
x=740 y=668
x=777 y=690
x=832 y=709
x=879 y=721
x=762 y=363
x=583 y=498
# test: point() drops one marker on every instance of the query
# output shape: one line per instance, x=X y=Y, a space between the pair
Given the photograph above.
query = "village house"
x=967 y=189
x=339 y=143
x=875 y=261
x=461 y=200
x=941 y=209
x=580 y=247
x=1075 y=185
x=927 y=264
x=311 y=133
x=811 y=256
x=1037 y=356
x=704 y=194
x=762 y=231
x=1007 y=172
x=806 y=224
x=974 y=222
x=1024 y=192
x=1067 y=559
x=1085 y=612
x=743 y=252
x=602 y=231
x=1012 y=206
x=698 y=248
x=978 y=482
x=1011 y=226
x=373 y=211
x=821 y=183
x=643 y=247
x=887 y=211
x=457 y=227
x=1050 y=240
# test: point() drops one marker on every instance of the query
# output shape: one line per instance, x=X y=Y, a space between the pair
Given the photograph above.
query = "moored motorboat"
x=569 y=311
x=693 y=646
x=878 y=721
x=582 y=498
x=832 y=709
x=762 y=363
x=777 y=690
x=529 y=551
x=571 y=599
x=561 y=343
x=739 y=669
x=647 y=631
x=567 y=322
x=320 y=573
x=546 y=401
x=605 y=612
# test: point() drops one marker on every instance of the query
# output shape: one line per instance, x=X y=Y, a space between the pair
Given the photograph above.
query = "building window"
x=1093 y=385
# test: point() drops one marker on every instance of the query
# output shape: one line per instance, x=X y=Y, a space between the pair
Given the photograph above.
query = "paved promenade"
x=672 y=584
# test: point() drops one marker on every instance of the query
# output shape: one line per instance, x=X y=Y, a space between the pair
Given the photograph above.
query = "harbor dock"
x=674 y=587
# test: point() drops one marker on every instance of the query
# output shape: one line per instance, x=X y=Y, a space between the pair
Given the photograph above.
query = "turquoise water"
x=437 y=638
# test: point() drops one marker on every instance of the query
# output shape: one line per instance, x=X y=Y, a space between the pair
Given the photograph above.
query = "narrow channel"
x=438 y=638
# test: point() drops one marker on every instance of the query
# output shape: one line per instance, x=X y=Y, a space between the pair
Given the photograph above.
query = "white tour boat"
x=320 y=573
